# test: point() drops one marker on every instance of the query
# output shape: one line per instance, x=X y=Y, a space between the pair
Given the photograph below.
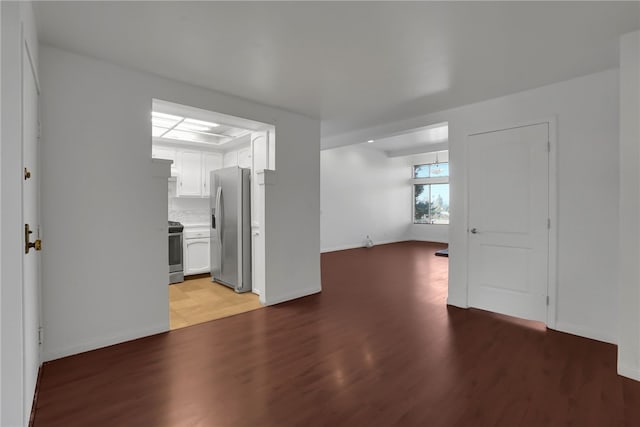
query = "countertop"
x=196 y=225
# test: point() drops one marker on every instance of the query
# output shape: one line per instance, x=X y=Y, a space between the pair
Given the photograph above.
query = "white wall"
x=629 y=299
x=15 y=404
x=586 y=109
x=105 y=263
x=292 y=213
x=362 y=192
x=365 y=192
x=587 y=133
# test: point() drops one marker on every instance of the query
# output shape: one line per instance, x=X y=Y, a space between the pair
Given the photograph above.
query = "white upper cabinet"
x=193 y=167
x=240 y=158
x=194 y=172
x=190 y=181
x=210 y=162
x=230 y=159
x=244 y=158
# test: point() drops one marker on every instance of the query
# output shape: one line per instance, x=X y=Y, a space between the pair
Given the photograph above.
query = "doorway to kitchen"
x=215 y=210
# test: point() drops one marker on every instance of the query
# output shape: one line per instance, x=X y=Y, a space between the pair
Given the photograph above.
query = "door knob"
x=37 y=245
x=474 y=230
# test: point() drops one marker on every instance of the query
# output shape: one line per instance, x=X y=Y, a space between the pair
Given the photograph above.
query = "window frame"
x=424 y=181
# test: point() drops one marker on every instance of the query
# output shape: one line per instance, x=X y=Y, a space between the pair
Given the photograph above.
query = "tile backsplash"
x=188 y=210
x=190 y=216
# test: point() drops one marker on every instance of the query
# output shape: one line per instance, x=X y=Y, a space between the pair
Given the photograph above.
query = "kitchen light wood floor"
x=200 y=300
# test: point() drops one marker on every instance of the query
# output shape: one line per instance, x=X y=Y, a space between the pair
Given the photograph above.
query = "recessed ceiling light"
x=184 y=136
x=200 y=123
x=370 y=141
x=193 y=127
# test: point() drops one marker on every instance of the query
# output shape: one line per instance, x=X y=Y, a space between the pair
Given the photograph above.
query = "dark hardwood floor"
x=378 y=347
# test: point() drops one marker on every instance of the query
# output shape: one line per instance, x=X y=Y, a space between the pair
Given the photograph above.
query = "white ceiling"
x=352 y=64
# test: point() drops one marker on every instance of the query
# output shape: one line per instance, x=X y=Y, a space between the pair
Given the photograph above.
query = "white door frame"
x=17 y=30
x=26 y=51
x=552 y=277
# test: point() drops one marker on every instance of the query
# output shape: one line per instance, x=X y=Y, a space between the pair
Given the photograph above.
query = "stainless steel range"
x=176 y=264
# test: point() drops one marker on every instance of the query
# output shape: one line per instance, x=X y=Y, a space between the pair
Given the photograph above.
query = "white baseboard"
x=298 y=293
x=418 y=239
x=387 y=242
x=629 y=371
x=358 y=245
x=340 y=248
x=581 y=331
x=104 y=342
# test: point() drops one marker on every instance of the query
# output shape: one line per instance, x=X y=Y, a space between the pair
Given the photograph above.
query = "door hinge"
x=39 y=129
x=547 y=299
x=40 y=335
x=548 y=223
x=548 y=146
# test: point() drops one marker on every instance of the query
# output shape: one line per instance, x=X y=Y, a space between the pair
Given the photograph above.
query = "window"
x=431 y=193
x=431 y=170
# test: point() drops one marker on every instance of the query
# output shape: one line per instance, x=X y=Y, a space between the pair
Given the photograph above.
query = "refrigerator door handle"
x=219 y=214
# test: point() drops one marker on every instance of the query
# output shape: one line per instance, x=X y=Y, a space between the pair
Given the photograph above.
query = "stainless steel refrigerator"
x=231 y=228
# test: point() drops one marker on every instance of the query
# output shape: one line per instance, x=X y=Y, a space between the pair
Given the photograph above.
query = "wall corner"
x=629 y=208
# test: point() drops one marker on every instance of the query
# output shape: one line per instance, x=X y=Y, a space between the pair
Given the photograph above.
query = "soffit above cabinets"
x=425 y=139
x=175 y=123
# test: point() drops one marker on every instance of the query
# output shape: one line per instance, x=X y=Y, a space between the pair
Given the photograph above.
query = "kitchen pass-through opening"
x=215 y=210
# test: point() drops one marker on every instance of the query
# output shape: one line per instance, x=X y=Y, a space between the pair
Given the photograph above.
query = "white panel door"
x=508 y=214
x=31 y=218
x=190 y=181
x=260 y=142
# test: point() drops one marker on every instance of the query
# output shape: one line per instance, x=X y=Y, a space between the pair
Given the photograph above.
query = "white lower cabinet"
x=196 y=253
